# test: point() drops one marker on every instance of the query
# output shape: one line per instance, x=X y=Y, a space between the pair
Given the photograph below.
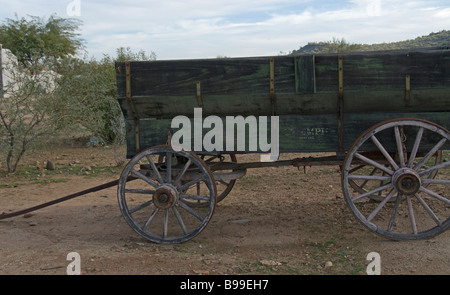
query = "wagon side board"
x=306 y=134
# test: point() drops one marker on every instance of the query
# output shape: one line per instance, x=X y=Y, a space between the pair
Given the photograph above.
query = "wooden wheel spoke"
x=143 y=177
x=384 y=152
x=180 y=220
x=165 y=224
x=415 y=148
x=394 y=214
x=139 y=207
x=182 y=172
x=429 y=210
x=139 y=191
x=371 y=192
x=373 y=163
x=153 y=165
x=194 y=197
x=359 y=167
x=370 y=177
x=412 y=217
x=192 y=182
x=169 y=167
x=434 y=168
x=436 y=181
x=190 y=210
x=430 y=154
x=435 y=195
x=399 y=141
x=381 y=205
x=150 y=218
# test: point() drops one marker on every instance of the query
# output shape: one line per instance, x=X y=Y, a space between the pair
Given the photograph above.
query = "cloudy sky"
x=175 y=29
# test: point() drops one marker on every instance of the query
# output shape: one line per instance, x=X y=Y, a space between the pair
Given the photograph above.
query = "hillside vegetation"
x=439 y=40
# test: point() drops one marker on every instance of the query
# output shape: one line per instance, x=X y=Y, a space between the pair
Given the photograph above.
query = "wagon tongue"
x=68 y=197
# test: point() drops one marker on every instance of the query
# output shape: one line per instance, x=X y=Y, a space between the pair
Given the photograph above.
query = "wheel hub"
x=407 y=181
x=165 y=197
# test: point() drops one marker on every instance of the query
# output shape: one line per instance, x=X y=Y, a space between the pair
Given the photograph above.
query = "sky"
x=176 y=29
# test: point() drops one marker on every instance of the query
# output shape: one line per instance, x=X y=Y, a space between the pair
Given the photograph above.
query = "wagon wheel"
x=156 y=204
x=223 y=187
x=417 y=182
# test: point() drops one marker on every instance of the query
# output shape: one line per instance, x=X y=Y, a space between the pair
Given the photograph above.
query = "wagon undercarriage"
x=399 y=195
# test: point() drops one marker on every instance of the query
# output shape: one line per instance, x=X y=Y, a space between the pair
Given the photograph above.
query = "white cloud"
x=206 y=28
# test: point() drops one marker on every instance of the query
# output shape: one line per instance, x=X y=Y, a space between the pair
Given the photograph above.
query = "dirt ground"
x=275 y=221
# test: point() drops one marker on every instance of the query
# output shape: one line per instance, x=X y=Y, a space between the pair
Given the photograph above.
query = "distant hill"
x=440 y=39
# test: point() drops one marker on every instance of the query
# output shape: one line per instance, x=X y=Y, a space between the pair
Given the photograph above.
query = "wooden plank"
x=388 y=71
x=305 y=74
x=422 y=100
x=217 y=76
x=309 y=133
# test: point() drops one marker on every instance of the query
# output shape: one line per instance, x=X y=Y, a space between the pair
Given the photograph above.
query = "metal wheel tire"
x=418 y=184
x=156 y=204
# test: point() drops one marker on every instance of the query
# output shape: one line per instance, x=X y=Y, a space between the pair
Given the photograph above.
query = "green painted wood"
x=308 y=133
x=429 y=100
x=305 y=74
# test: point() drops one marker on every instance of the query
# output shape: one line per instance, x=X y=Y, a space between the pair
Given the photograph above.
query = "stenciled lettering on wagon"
x=213 y=140
x=313 y=132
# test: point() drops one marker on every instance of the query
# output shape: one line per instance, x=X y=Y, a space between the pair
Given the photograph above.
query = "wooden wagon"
x=384 y=117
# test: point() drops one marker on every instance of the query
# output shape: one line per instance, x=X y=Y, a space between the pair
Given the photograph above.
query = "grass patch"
x=51 y=180
x=36 y=175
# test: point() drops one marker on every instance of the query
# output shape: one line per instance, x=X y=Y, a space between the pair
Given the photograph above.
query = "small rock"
x=201 y=272
x=328 y=264
x=32 y=223
x=50 y=165
x=27 y=215
x=270 y=263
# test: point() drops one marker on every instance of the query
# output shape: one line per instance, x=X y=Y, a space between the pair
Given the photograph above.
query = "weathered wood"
x=312 y=133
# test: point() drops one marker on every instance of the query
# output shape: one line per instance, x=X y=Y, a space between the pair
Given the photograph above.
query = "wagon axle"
x=407 y=181
x=165 y=196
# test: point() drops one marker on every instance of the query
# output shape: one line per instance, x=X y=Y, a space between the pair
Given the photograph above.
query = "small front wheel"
x=157 y=189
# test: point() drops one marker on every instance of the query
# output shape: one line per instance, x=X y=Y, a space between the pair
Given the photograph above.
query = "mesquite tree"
x=25 y=110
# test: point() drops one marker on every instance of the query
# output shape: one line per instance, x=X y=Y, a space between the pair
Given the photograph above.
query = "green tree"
x=25 y=110
x=88 y=89
x=37 y=40
x=27 y=101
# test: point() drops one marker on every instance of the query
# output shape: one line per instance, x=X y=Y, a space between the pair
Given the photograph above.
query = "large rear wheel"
x=396 y=161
